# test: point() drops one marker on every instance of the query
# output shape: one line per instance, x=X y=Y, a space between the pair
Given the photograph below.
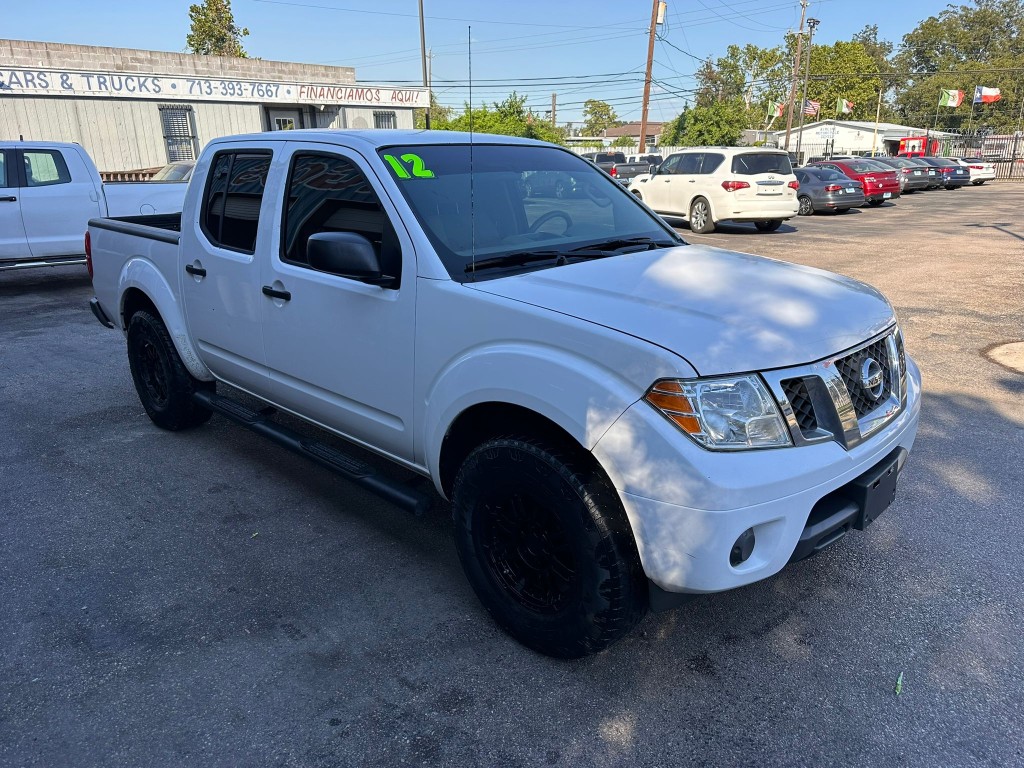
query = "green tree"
x=754 y=76
x=844 y=70
x=439 y=114
x=214 y=31
x=672 y=131
x=718 y=124
x=510 y=117
x=598 y=116
x=981 y=43
x=625 y=141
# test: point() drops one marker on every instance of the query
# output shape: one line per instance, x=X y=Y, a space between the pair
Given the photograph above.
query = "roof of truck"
x=379 y=138
x=45 y=144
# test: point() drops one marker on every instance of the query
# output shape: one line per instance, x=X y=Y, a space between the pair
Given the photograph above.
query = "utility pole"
x=554 y=100
x=647 y=77
x=811 y=24
x=423 y=58
x=796 y=72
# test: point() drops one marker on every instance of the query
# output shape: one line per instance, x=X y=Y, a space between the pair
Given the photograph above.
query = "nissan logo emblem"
x=872 y=377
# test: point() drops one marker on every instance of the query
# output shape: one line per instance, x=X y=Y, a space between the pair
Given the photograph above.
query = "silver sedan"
x=822 y=189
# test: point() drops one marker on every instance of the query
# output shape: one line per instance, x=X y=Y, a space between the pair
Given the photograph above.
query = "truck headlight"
x=722 y=414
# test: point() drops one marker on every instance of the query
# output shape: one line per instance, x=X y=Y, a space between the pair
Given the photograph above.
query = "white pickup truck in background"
x=48 y=193
x=620 y=419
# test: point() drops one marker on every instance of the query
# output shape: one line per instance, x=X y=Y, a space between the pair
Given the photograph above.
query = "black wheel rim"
x=527 y=553
x=153 y=373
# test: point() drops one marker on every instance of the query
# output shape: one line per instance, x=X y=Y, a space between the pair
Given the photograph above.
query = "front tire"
x=547 y=548
x=701 y=222
x=164 y=385
x=768 y=226
x=806 y=206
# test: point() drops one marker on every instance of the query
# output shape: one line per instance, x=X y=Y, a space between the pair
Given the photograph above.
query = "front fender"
x=582 y=397
x=142 y=274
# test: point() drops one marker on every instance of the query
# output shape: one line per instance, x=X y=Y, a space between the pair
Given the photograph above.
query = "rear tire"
x=547 y=548
x=701 y=222
x=164 y=385
x=842 y=210
x=979 y=183
x=768 y=226
x=806 y=206
x=875 y=203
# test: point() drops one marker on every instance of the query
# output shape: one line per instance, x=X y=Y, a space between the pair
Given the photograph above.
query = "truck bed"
x=165 y=227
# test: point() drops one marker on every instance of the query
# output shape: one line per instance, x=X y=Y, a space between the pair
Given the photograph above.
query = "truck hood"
x=722 y=311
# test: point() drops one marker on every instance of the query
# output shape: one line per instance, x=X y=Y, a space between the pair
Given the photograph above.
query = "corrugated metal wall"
x=123 y=135
x=119 y=134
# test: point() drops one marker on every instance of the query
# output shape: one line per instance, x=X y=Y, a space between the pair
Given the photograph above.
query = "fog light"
x=742 y=549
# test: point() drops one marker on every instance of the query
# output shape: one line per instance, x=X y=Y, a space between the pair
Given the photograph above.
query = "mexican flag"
x=951 y=99
x=843 y=106
x=983 y=95
x=777 y=109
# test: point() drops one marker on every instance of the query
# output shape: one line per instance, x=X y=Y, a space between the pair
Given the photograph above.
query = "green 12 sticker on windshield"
x=415 y=168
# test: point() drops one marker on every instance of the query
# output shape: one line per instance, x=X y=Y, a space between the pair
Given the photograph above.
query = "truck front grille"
x=833 y=399
x=800 y=400
x=850 y=368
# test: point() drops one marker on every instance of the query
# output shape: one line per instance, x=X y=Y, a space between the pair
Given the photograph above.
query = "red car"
x=880 y=183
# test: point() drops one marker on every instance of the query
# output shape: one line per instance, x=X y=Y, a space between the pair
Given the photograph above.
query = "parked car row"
x=707 y=185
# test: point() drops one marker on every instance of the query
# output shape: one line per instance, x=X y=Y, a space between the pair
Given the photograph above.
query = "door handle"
x=693 y=181
x=8 y=199
x=275 y=294
x=197 y=271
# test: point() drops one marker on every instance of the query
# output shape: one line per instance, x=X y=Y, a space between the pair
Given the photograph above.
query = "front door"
x=340 y=351
x=284 y=119
x=49 y=186
x=220 y=281
x=13 y=243
x=656 y=193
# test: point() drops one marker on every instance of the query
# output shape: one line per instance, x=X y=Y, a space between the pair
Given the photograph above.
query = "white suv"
x=706 y=185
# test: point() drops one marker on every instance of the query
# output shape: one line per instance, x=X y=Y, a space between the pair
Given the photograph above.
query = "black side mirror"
x=346 y=254
x=653 y=169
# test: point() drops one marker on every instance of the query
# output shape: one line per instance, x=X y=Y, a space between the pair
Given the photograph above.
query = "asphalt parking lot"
x=205 y=598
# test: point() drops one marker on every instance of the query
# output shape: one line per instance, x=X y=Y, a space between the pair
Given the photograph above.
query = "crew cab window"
x=3 y=168
x=45 y=167
x=328 y=193
x=234 y=194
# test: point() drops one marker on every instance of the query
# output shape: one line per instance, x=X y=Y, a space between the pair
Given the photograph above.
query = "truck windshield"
x=521 y=200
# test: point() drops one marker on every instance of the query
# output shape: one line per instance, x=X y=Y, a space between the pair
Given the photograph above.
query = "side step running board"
x=359 y=472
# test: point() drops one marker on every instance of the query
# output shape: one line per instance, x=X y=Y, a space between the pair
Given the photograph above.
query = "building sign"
x=113 y=85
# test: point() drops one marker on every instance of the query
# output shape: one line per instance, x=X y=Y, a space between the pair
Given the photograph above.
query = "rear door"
x=58 y=197
x=220 y=278
x=13 y=243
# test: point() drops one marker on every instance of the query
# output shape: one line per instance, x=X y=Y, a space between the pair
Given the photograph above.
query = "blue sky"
x=578 y=49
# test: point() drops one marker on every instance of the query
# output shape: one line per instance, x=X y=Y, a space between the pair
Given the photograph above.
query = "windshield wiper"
x=518 y=259
x=522 y=258
x=620 y=243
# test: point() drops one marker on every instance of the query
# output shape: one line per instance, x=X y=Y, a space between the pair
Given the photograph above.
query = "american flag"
x=811 y=107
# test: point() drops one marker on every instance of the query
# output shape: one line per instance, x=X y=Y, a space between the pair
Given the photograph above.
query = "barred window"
x=179 y=126
x=385 y=120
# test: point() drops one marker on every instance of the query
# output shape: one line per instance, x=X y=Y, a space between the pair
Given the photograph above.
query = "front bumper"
x=688 y=507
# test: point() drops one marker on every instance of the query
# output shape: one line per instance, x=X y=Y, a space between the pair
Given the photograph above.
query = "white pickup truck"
x=620 y=419
x=48 y=193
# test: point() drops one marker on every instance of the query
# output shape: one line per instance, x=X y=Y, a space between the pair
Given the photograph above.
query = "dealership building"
x=133 y=109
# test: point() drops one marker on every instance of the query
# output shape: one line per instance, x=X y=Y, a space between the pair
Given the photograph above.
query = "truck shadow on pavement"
x=929 y=590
